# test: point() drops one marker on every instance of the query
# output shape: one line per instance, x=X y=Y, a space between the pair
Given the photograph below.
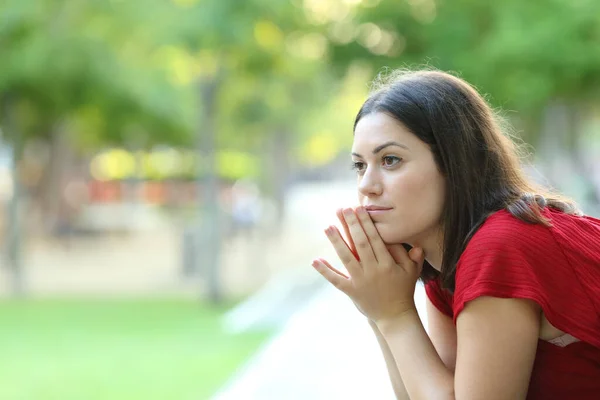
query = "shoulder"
x=574 y=231
x=555 y=267
x=502 y=231
x=502 y=228
x=505 y=239
x=507 y=257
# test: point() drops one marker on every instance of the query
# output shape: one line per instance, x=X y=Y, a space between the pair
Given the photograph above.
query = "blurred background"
x=167 y=168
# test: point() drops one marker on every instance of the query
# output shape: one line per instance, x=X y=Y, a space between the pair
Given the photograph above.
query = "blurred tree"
x=268 y=110
x=85 y=70
x=255 y=91
x=522 y=53
x=540 y=60
x=12 y=245
x=82 y=75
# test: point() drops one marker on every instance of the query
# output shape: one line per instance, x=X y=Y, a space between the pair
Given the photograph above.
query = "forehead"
x=376 y=128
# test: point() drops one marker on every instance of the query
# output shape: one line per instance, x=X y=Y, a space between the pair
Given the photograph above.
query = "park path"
x=326 y=351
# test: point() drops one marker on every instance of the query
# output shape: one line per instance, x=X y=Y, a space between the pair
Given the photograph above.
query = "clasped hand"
x=382 y=277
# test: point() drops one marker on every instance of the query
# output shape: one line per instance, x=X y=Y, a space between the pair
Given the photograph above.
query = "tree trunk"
x=14 y=234
x=52 y=199
x=208 y=193
x=278 y=172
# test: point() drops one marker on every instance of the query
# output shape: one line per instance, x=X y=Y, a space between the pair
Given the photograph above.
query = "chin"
x=390 y=235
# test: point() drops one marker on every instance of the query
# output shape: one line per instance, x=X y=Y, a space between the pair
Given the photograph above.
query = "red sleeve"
x=509 y=258
x=440 y=298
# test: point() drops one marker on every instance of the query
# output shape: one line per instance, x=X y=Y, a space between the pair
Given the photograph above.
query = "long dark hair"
x=480 y=162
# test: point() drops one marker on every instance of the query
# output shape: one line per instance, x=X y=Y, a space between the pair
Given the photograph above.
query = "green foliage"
x=523 y=53
x=87 y=64
x=127 y=72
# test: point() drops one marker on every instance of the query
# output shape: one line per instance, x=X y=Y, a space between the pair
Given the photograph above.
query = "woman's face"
x=398 y=181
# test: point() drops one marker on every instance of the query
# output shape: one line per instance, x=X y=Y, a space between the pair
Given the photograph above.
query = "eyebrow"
x=383 y=146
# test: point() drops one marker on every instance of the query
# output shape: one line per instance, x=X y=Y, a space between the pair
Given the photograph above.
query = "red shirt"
x=558 y=268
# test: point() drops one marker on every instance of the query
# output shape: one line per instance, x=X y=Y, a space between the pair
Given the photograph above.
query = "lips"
x=377 y=208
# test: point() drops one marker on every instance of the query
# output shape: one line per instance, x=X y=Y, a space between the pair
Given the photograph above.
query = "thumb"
x=417 y=255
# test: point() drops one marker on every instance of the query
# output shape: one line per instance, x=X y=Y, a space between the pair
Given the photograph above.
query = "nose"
x=370 y=183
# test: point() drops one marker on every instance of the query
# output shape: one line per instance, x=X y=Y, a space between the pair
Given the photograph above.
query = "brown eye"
x=390 y=161
x=358 y=166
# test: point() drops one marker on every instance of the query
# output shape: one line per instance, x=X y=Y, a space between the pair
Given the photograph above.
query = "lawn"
x=116 y=349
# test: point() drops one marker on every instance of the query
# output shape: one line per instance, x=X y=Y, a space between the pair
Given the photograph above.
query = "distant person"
x=511 y=271
x=245 y=207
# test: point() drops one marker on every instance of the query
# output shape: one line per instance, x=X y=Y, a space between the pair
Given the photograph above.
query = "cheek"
x=412 y=190
x=433 y=198
x=421 y=197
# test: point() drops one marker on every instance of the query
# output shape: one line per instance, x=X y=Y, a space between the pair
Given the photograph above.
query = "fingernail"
x=347 y=212
x=360 y=210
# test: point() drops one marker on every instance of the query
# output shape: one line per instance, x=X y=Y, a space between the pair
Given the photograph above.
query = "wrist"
x=398 y=322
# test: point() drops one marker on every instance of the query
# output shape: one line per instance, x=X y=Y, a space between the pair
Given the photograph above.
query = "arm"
x=390 y=363
x=500 y=335
x=497 y=341
x=442 y=333
x=424 y=374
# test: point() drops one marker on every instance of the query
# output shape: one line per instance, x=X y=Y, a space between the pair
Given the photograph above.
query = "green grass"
x=116 y=349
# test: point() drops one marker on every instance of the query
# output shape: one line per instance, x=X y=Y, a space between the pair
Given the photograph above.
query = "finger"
x=379 y=248
x=399 y=254
x=343 y=252
x=361 y=241
x=335 y=279
x=348 y=246
x=351 y=245
x=333 y=269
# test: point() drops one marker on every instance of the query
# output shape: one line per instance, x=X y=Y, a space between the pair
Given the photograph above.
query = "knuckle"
x=362 y=243
x=347 y=259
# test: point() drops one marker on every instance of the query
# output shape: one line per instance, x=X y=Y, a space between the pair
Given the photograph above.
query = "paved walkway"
x=326 y=351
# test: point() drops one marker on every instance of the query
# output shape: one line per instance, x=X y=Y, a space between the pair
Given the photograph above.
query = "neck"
x=432 y=246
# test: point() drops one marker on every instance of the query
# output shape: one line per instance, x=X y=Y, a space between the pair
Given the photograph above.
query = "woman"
x=512 y=273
